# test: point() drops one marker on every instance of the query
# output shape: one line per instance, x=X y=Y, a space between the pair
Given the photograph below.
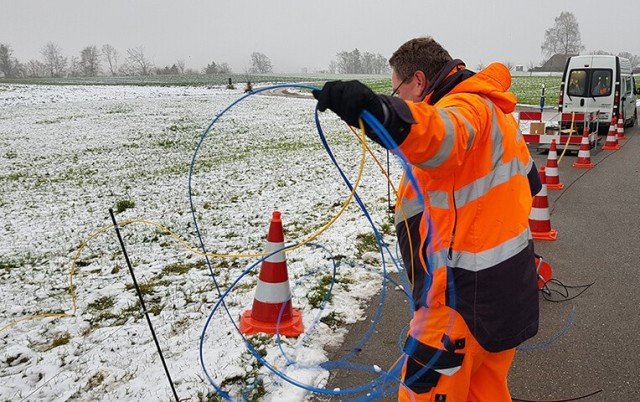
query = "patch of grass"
x=116 y=269
x=11 y=154
x=102 y=304
x=8 y=264
x=210 y=396
x=366 y=242
x=60 y=340
x=251 y=382
x=17 y=358
x=147 y=288
x=95 y=380
x=123 y=205
x=318 y=293
x=13 y=176
x=182 y=268
x=119 y=109
x=383 y=87
x=333 y=320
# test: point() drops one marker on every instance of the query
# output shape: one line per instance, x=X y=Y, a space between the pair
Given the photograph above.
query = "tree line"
x=93 y=61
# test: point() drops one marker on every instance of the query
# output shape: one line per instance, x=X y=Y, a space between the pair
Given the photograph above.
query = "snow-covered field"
x=68 y=153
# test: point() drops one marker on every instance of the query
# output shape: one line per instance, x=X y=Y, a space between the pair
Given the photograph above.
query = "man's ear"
x=421 y=80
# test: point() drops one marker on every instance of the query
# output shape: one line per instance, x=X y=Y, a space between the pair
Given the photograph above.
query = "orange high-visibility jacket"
x=472 y=249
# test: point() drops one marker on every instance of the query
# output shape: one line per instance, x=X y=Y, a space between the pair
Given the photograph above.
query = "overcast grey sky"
x=296 y=33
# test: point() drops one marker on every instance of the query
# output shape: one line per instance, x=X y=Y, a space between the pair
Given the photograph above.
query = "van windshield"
x=590 y=82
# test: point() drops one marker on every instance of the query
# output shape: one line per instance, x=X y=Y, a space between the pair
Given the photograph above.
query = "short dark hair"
x=424 y=54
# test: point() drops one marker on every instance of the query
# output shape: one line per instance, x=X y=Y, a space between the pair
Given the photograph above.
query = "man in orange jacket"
x=466 y=243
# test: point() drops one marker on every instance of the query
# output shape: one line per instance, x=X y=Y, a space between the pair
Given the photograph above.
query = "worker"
x=466 y=246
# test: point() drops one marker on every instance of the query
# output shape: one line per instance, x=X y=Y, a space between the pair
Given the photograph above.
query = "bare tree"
x=90 y=61
x=139 y=61
x=9 y=66
x=349 y=62
x=35 y=68
x=53 y=59
x=75 y=68
x=480 y=66
x=633 y=58
x=333 y=67
x=180 y=64
x=260 y=63
x=563 y=37
x=509 y=65
x=110 y=55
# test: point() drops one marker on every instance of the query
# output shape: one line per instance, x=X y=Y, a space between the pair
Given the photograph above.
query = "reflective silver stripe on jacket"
x=447 y=143
x=407 y=209
x=478 y=188
x=438 y=199
x=470 y=130
x=501 y=173
x=488 y=258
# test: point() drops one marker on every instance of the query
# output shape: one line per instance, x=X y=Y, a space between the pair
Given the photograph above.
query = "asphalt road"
x=597 y=216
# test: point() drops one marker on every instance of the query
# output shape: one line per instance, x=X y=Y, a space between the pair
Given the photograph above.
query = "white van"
x=599 y=83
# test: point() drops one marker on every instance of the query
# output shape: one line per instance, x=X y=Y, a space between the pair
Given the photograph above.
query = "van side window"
x=629 y=86
x=600 y=83
x=577 y=83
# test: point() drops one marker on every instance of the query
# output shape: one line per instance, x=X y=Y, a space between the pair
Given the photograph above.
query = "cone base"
x=583 y=165
x=544 y=275
x=622 y=137
x=606 y=147
x=549 y=236
x=558 y=186
x=292 y=327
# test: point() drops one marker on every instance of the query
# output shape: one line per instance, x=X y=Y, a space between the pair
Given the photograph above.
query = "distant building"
x=556 y=63
x=519 y=67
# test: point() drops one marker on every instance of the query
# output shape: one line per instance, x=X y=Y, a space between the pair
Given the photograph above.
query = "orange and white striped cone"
x=539 y=220
x=551 y=170
x=584 y=154
x=272 y=312
x=545 y=273
x=621 y=127
x=611 y=143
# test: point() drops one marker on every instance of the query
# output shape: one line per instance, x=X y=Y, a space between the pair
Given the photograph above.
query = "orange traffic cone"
x=272 y=312
x=621 y=127
x=551 y=171
x=611 y=143
x=539 y=220
x=544 y=271
x=584 y=154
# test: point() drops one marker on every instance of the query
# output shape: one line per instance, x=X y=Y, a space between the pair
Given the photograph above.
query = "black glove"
x=347 y=99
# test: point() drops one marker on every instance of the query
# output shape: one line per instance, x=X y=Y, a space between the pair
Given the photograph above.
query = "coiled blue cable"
x=393 y=374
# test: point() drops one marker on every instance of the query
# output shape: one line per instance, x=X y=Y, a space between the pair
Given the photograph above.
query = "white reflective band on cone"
x=539 y=214
x=584 y=154
x=273 y=292
x=553 y=155
x=551 y=171
x=270 y=248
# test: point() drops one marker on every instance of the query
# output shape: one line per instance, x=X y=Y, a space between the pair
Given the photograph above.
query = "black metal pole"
x=144 y=308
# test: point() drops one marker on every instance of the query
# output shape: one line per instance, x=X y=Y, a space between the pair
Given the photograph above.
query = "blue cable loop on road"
x=385 y=377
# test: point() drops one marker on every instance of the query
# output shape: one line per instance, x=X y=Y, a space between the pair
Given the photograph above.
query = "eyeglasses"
x=404 y=81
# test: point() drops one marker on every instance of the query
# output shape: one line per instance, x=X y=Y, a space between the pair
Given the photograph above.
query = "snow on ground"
x=68 y=153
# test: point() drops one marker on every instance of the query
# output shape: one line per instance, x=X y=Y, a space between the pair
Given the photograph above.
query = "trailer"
x=567 y=129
